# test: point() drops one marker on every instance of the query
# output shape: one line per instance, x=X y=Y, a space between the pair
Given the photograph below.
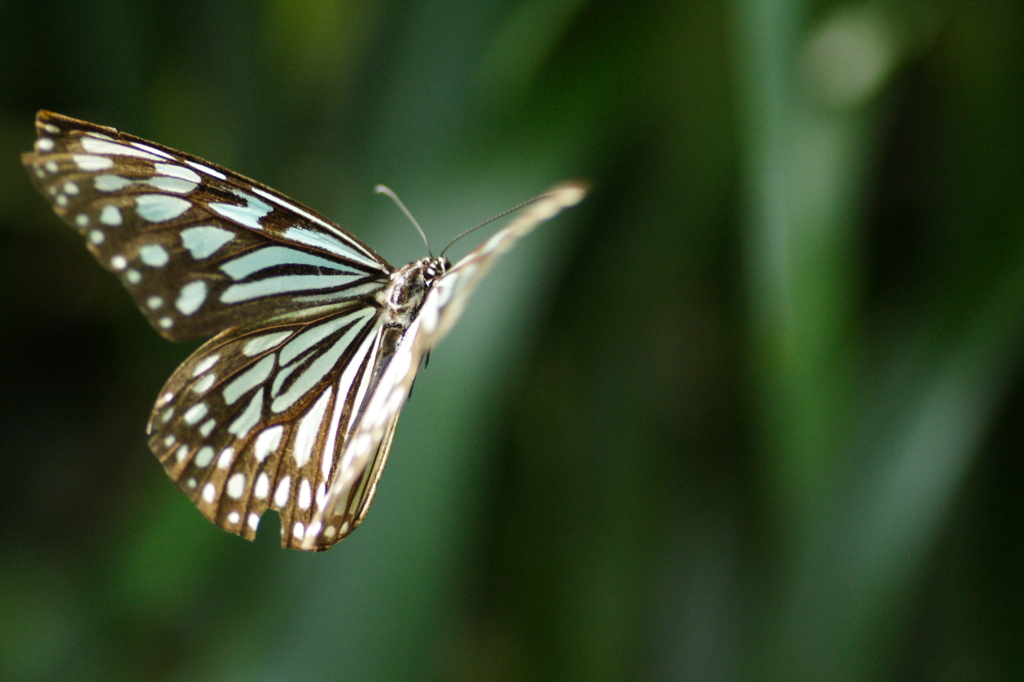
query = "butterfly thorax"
x=404 y=294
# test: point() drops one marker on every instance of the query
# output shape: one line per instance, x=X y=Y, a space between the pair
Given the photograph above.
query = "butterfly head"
x=434 y=267
x=404 y=295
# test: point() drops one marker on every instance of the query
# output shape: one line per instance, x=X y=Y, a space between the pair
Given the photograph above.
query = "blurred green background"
x=750 y=412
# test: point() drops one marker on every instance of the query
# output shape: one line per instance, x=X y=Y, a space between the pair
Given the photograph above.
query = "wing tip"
x=46 y=119
x=51 y=123
x=571 y=192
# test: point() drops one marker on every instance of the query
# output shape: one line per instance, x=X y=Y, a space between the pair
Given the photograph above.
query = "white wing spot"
x=118 y=262
x=298 y=530
x=345 y=385
x=192 y=297
x=309 y=428
x=82 y=220
x=110 y=183
x=321 y=495
x=305 y=494
x=262 y=486
x=206 y=384
x=207 y=170
x=176 y=171
x=181 y=453
x=258 y=344
x=176 y=185
x=157 y=208
x=314 y=335
x=207 y=362
x=253 y=520
x=169 y=440
x=111 y=215
x=153 y=255
x=309 y=216
x=275 y=286
x=97 y=237
x=50 y=128
x=227 y=456
x=362 y=445
x=166 y=323
x=275 y=256
x=97 y=146
x=70 y=188
x=209 y=493
x=327 y=243
x=191 y=483
x=203 y=457
x=154 y=302
x=234 y=517
x=207 y=428
x=249 y=380
x=61 y=200
x=248 y=215
x=166 y=415
x=133 y=276
x=44 y=144
x=152 y=150
x=90 y=163
x=283 y=489
x=267 y=442
x=249 y=418
x=322 y=365
x=203 y=241
x=51 y=166
x=313 y=529
x=195 y=413
x=329 y=531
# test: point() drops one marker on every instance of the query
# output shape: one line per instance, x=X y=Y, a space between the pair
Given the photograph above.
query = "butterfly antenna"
x=497 y=217
x=382 y=189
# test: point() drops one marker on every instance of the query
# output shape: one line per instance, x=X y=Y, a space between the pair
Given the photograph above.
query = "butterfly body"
x=293 y=404
x=403 y=296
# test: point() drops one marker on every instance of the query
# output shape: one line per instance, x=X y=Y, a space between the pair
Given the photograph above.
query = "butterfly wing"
x=199 y=247
x=255 y=417
x=293 y=406
x=352 y=488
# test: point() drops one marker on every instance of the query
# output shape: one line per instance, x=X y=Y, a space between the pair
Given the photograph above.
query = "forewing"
x=199 y=247
x=449 y=297
x=256 y=417
x=351 y=490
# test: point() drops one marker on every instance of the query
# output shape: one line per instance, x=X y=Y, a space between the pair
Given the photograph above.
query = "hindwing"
x=257 y=416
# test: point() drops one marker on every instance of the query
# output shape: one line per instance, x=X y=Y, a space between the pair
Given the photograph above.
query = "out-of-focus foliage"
x=751 y=412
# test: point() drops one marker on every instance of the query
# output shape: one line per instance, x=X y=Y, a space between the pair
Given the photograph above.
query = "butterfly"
x=293 y=404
